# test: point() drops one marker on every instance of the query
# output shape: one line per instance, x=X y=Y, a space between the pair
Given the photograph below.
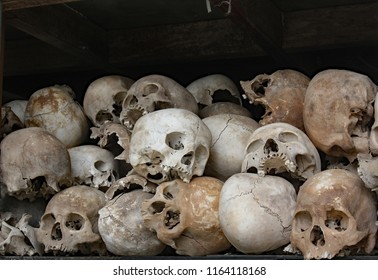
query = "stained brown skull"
x=282 y=94
x=335 y=214
x=185 y=216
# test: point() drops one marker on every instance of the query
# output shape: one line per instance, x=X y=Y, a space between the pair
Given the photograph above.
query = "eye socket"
x=175 y=140
x=302 y=221
x=74 y=221
x=337 y=220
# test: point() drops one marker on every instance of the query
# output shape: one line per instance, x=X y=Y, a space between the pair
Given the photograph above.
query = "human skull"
x=281 y=148
x=255 y=212
x=185 y=216
x=335 y=213
x=121 y=226
x=169 y=144
x=337 y=112
x=281 y=93
x=153 y=93
x=224 y=108
x=70 y=222
x=93 y=166
x=103 y=98
x=18 y=107
x=229 y=134
x=206 y=90
x=34 y=163
x=55 y=110
x=9 y=122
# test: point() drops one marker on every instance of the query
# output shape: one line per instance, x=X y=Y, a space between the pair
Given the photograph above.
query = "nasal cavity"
x=270 y=146
x=56 y=233
x=317 y=236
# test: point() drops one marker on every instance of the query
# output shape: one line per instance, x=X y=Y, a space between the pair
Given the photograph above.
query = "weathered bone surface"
x=255 y=212
x=103 y=98
x=224 y=108
x=282 y=94
x=169 y=144
x=18 y=107
x=185 y=216
x=280 y=148
x=69 y=225
x=337 y=112
x=9 y=122
x=121 y=226
x=230 y=135
x=335 y=215
x=55 y=110
x=34 y=163
x=152 y=93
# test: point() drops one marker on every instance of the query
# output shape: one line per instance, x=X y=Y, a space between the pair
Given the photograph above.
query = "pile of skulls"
x=150 y=167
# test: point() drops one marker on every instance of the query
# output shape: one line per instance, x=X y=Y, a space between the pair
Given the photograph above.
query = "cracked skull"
x=337 y=112
x=70 y=222
x=282 y=94
x=335 y=213
x=280 y=148
x=185 y=216
x=34 y=163
x=169 y=144
x=152 y=93
x=255 y=212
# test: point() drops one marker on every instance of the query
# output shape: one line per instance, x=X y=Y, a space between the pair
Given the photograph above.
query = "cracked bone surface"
x=335 y=214
x=255 y=212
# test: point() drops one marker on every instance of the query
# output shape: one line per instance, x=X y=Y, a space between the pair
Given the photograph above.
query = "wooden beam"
x=9 y=5
x=65 y=29
x=199 y=41
x=335 y=27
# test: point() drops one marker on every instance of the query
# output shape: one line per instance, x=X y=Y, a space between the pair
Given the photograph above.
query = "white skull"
x=18 y=107
x=55 y=110
x=335 y=213
x=230 y=134
x=34 y=163
x=121 y=226
x=103 y=98
x=153 y=93
x=70 y=222
x=206 y=90
x=282 y=94
x=169 y=144
x=185 y=216
x=281 y=148
x=256 y=212
x=337 y=112
x=93 y=166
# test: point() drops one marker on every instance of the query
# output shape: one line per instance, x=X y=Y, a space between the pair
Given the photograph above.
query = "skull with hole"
x=231 y=131
x=185 y=216
x=337 y=112
x=152 y=93
x=34 y=163
x=282 y=149
x=55 y=110
x=214 y=88
x=335 y=215
x=121 y=226
x=93 y=166
x=169 y=144
x=281 y=93
x=69 y=225
x=255 y=212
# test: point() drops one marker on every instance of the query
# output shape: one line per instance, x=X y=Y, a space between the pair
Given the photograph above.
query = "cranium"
x=169 y=144
x=281 y=148
x=93 y=166
x=103 y=98
x=255 y=213
x=281 y=93
x=229 y=134
x=121 y=226
x=18 y=107
x=185 y=216
x=153 y=93
x=34 y=163
x=337 y=112
x=70 y=222
x=335 y=213
x=55 y=110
